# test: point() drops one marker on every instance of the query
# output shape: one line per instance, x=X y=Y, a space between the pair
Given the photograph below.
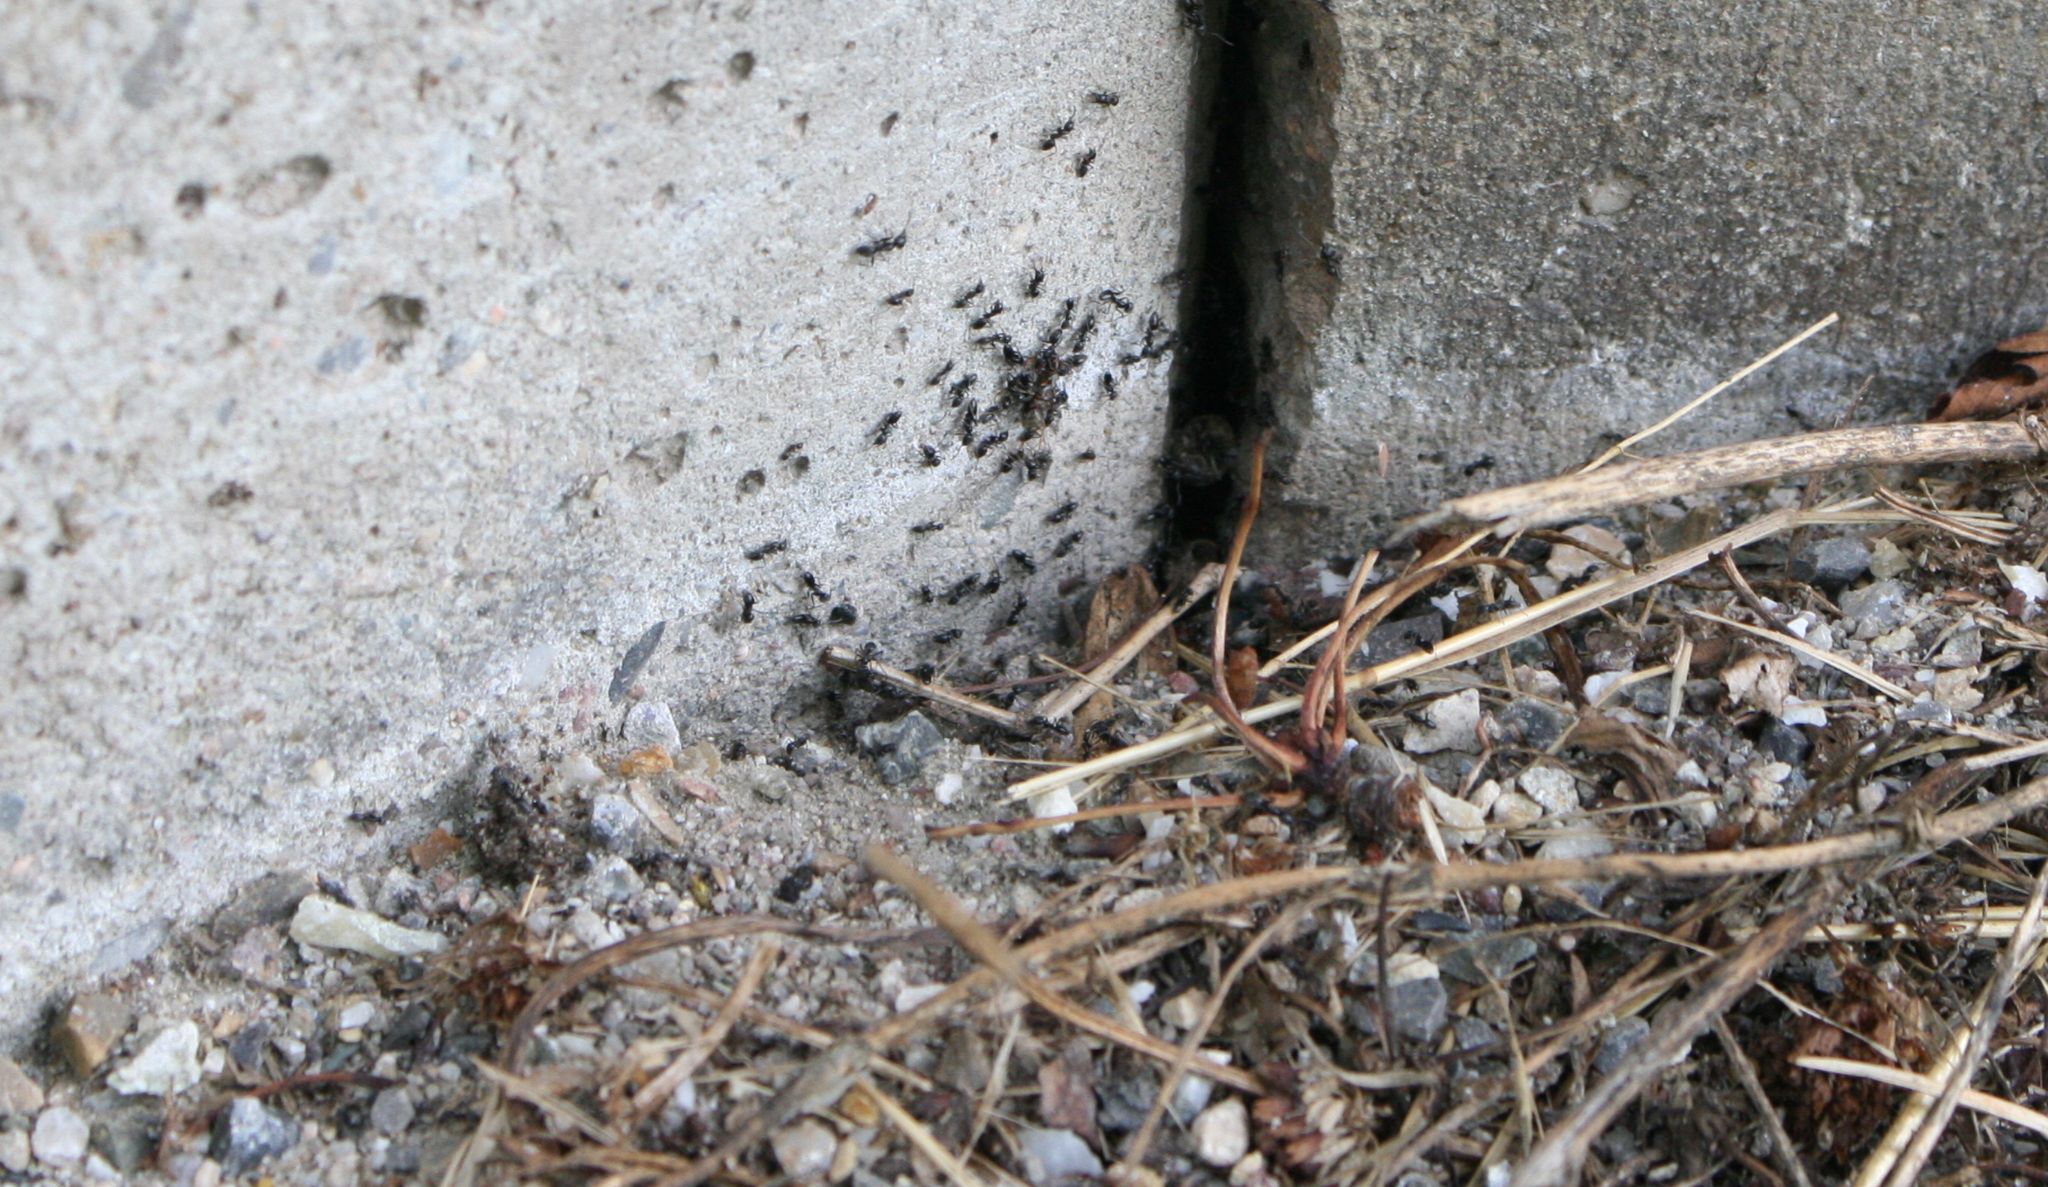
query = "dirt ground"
x=1641 y=851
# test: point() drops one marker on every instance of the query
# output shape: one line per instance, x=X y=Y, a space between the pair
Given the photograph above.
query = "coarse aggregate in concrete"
x=379 y=382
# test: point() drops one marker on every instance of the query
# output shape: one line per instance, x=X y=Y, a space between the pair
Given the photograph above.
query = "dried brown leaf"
x=1241 y=676
x=2010 y=376
x=1648 y=763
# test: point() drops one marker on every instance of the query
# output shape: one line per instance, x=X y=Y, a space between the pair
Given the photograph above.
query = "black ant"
x=898 y=298
x=1023 y=560
x=987 y=315
x=960 y=302
x=764 y=550
x=1063 y=512
x=950 y=635
x=1037 y=282
x=938 y=376
x=887 y=426
x=931 y=456
x=811 y=583
x=1105 y=98
x=1116 y=298
x=842 y=615
x=1083 y=163
x=1053 y=137
x=1066 y=544
x=746 y=605
x=882 y=244
x=929 y=525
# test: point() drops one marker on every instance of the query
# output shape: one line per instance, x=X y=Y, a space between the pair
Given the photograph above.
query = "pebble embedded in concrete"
x=615 y=823
x=167 y=1065
x=323 y=923
x=60 y=1137
x=651 y=723
x=14 y=1151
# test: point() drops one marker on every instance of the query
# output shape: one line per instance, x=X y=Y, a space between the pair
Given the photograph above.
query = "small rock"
x=1964 y=648
x=19 y=1095
x=1418 y=1008
x=1515 y=810
x=1621 y=1039
x=1875 y=608
x=1193 y=1094
x=1784 y=743
x=1392 y=640
x=1222 y=1133
x=88 y=1030
x=1051 y=1156
x=391 y=1113
x=259 y=955
x=1057 y=802
x=267 y=899
x=14 y=1152
x=580 y=770
x=1833 y=562
x=1183 y=1010
x=323 y=923
x=616 y=880
x=356 y=1015
x=1566 y=562
x=1473 y=961
x=126 y=1133
x=616 y=824
x=128 y=948
x=246 y=1133
x=650 y=724
x=804 y=1150
x=901 y=747
x=1555 y=790
x=167 y=1066
x=1888 y=559
x=60 y=1137
x=1463 y=822
x=1453 y=724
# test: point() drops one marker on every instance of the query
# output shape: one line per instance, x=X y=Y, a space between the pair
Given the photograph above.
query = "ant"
x=746 y=605
x=898 y=298
x=765 y=550
x=1023 y=560
x=882 y=244
x=938 y=376
x=1063 y=512
x=811 y=583
x=960 y=302
x=1116 y=298
x=950 y=635
x=987 y=315
x=1083 y=163
x=1066 y=544
x=1104 y=98
x=1037 y=282
x=929 y=525
x=1053 y=137
x=842 y=615
x=931 y=456
x=887 y=426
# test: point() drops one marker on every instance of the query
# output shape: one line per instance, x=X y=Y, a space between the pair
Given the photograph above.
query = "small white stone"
x=1554 y=789
x=1485 y=794
x=1453 y=725
x=650 y=723
x=60 y=1136
x=168 y=1065
x=1599 y=682
x=355 y=1015
x=1887 y=559
x=580 y=770
x=1463 y=822
x=911 y=997
x=323 y=923
x=1055 y=1155
x=804 y=1150
x=1870 y=797
x=14 y=1153
x=1057 y=802
x=947 y=789
x=1250 y=1170
x=1575 y=844
x=321 y=772
x=1183 y=1010
x=1690 y=774
x=1222 y=1133
x=1515 y=810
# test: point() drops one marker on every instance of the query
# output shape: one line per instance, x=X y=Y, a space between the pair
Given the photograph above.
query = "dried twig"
x=1781 y=1142
x=1536 y=504
x=658 y=1090
x=847 y=659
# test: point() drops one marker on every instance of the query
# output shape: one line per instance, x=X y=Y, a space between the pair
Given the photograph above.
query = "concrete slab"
x=1481 y=241
x=376 y=384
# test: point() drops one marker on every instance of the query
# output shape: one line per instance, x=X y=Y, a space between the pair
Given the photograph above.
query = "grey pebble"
x=1052 y=1155
x=246 y=1133
x=901 y=747
x=1622 y=1039
x=1875 y=608
x=1833 y=562
x=615 y=823
x=392 y=1111
x=1473 y=961
x=650 y=723
x=1539 y=724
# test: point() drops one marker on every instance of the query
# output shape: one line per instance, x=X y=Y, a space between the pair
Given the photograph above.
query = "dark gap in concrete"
x=1264 y=68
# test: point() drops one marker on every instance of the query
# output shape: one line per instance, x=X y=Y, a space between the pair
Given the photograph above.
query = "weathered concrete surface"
x=373 y=383
x=1491 y=238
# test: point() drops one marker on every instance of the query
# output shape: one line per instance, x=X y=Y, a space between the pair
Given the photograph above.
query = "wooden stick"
x=1574 y=496
x=847 y=659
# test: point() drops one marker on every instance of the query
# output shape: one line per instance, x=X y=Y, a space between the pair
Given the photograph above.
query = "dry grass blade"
x=1636 y=438
x=1467 y=645
x=657 y=1091
x=547 y=1101
x=847 y=659
x=1782 y=1148
x=920 y=1136
x=1538 y=504
x=1973 y=1037
x=1928 y=1086
x=1557 y=1158
x=1844 y=665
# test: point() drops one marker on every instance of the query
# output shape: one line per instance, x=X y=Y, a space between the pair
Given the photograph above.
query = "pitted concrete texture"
x=375 y=383
x=1486 y=240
